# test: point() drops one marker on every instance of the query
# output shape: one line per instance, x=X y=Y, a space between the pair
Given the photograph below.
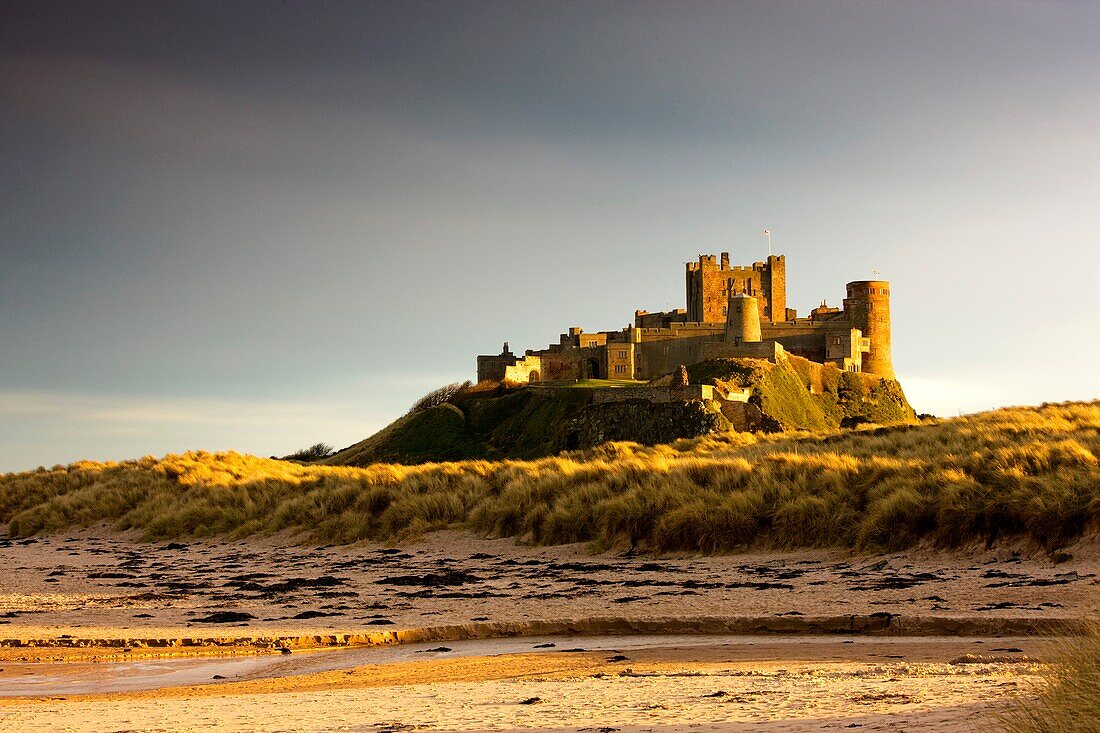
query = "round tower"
x=867 y=307
x=743 y=319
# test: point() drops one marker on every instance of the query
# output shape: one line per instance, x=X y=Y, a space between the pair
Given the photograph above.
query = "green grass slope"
x=801 y=394
x=524 y=423
x=514 y=423
x=435 y=434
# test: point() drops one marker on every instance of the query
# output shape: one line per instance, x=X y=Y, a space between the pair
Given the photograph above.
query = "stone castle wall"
x=654 y=394
x=856 y=338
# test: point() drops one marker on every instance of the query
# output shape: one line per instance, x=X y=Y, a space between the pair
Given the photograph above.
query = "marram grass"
x=1027 y=473
x=1068 y=700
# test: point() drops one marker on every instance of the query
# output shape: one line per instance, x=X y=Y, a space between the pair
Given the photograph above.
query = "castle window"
x=724 y=311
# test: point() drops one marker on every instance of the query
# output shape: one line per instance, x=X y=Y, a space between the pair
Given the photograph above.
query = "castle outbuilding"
x=731 y=312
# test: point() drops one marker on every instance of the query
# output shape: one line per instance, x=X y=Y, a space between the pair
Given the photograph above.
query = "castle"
x=731 y=312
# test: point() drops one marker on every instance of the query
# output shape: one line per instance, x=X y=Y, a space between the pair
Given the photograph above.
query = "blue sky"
x=255 y=226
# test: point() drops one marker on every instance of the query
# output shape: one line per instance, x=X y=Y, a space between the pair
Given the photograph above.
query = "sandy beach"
x=104 y=633
x=712 y=687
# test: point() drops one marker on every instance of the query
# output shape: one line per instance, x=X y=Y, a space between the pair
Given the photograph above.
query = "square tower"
x=710 y=285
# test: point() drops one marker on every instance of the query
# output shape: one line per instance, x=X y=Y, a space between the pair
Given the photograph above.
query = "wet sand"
x=88 y=677
x=787 y=683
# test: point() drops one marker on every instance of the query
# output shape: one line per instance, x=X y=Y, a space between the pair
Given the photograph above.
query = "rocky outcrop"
x=642 y=421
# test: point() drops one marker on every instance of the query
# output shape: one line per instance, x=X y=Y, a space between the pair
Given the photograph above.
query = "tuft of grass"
x=316 y=452
x=1029 y=474
x=1068 y=700
x=446 y=394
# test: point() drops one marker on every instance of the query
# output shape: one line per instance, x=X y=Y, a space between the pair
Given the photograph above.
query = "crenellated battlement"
x=711 y=262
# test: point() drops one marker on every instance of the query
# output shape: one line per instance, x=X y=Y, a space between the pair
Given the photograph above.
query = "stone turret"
x=867 y=308
x=743 y=319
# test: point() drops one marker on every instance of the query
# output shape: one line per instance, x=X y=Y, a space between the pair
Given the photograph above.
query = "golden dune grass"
x=1069 y=700
x=1024 y=472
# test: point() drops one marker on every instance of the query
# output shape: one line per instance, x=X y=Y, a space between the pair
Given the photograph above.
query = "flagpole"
x=768 y=234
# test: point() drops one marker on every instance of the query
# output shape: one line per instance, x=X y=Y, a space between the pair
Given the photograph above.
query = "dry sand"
x=62 y=595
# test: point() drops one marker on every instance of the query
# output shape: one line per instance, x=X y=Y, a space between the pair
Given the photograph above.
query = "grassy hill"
x=1027 y=474
x=525 y=423
x=532 y=422
x=436 y=434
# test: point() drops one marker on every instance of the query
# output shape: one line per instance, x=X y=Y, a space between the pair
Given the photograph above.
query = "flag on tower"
x=767 y=232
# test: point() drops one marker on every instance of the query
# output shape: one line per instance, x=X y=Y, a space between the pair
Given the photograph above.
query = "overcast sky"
x=256 y=226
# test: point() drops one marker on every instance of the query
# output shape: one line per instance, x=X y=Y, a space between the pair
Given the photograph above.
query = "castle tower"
x=775 y=309
x=867 y=307
x=743 y=319
x=712 y=281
